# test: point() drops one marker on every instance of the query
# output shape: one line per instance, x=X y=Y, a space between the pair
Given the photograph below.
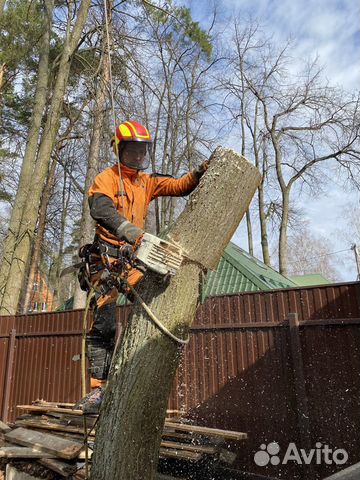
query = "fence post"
x=302 y=407
x=9 y=372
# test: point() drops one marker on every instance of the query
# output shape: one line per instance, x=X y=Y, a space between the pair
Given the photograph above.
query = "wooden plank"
x=23 y=452
x=4 y=427
x=61 y=447
x=53 y=404
x=45 y=425
x=182 y=436
x=180 y=454
x=62 y=468
x=39 y=408
x=189 y=448
x=216 y=432
x=83 y=454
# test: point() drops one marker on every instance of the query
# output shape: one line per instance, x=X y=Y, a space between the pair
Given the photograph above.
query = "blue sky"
x=328 y=29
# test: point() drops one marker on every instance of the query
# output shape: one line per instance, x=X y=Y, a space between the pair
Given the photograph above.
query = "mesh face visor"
x=136 y=155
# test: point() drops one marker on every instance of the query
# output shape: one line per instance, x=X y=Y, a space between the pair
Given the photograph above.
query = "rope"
x=121 y=185
x=157 y=322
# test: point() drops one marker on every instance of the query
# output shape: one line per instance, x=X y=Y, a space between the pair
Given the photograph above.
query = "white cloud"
x=327 y=28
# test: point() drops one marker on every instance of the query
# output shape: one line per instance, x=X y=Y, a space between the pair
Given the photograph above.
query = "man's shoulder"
x=109 y=172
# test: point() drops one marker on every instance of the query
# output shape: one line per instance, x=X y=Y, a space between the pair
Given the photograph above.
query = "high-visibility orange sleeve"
x=105 y=183
x=175 y=187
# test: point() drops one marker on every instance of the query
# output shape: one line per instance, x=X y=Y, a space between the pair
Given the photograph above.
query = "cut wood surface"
x=45 y=442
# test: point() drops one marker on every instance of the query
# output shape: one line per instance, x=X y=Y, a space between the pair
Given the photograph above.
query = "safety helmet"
x=130 y=134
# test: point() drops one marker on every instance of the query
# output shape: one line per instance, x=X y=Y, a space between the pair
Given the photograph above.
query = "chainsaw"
x=153 y=253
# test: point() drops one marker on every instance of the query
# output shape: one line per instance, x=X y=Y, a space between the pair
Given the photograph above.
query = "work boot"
x=90 y=404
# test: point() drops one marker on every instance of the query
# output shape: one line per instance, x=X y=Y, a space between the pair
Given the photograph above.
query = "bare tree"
x=309 y=253
x=18 y=246
x=308 y=123
x=102 y=89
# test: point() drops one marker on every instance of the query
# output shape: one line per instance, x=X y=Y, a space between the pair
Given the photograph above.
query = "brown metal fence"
x=283 y=366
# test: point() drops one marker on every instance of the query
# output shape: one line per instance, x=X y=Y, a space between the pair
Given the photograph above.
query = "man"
x=119 y=199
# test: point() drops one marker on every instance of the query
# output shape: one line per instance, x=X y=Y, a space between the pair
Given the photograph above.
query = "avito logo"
x=322 y=454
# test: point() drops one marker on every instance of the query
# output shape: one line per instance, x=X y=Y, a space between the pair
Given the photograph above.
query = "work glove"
x=129 y=232
x=201 y=169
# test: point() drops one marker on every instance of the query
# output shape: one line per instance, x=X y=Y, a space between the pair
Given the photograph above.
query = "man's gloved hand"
x=201 y=169
x=129 y=232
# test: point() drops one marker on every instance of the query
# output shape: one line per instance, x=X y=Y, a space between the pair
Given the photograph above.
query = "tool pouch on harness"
x=85 y=268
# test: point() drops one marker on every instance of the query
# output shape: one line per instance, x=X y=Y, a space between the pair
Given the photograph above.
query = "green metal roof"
x=238 y=271
x=310 y=279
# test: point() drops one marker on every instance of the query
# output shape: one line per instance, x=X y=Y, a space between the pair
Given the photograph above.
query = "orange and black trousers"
x=101 y=338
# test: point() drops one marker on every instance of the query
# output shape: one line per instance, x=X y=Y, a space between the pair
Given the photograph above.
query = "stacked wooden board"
x=52 y=436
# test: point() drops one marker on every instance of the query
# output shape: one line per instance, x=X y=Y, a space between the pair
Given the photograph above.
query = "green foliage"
x=5 y=156
x=192 y=30
x=182 y=25
x=20 y=30
x=21 y=27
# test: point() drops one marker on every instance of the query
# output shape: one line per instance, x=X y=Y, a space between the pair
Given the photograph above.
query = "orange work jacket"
x=139 y=189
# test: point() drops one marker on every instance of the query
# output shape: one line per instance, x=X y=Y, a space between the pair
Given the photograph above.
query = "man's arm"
x=103 y=211
x=163 y=185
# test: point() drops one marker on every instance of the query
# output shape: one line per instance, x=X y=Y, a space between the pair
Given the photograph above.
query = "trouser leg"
x=101 y=342
x=102 y=335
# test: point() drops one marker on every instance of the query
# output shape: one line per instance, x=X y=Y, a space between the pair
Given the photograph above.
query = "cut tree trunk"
x=133 y=412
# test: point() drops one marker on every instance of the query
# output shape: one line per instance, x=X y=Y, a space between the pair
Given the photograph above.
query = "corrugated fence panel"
x=240 y=370
x=4 y=352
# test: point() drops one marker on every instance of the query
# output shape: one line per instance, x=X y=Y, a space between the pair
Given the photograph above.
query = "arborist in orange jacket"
x=119 y=199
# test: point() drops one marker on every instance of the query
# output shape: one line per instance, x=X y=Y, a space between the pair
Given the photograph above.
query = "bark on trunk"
x=36 y=250
x=143 y=369
x=263 y=228
x=29 y=214
x=65 y=201
x=283 y=233
x=249 y=232
x=2 y=74
x=87 y=224
x=27 y=167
